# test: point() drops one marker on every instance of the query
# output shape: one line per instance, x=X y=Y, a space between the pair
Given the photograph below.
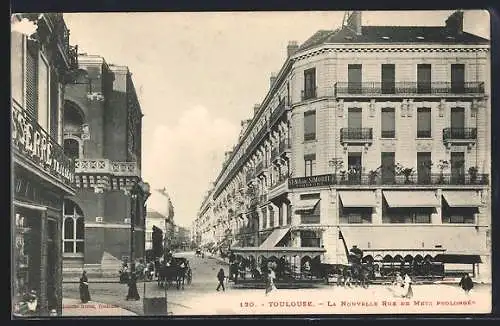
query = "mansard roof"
x=392 y=34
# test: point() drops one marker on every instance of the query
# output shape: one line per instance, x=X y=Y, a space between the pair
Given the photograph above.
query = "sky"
x=197 y=75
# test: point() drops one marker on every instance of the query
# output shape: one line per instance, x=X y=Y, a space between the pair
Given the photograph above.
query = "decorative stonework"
x=442 y=107
x=372 y=108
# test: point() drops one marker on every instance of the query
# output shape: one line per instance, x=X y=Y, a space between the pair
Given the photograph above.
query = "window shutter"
x=31 y=84
x=54 y=105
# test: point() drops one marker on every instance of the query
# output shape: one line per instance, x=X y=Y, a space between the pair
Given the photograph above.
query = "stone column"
x=42 y=295
x=58 y=246
x=284 y=210
x=436 y=217
x=377 y=210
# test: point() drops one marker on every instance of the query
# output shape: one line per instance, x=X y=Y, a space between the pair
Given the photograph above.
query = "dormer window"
x=420 y=37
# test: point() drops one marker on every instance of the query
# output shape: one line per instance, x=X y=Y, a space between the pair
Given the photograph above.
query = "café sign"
x=30 y=139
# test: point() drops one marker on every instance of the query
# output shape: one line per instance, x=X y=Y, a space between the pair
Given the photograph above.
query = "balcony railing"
x=35 y=145
x=308 y=94
x=459 y=134
x=426 y=179
x=343 y=89
x=356 y=134
x=105 y=166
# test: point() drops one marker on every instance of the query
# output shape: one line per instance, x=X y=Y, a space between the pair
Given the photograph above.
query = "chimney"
x=256 y=108
x=272 y=79
x=354 y=22
x=292 y=47
x=455 y=23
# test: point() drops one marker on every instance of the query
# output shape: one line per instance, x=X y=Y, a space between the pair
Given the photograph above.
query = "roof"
x=392 y=34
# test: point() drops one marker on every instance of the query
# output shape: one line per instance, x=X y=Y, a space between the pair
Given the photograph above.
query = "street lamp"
x=140 y=190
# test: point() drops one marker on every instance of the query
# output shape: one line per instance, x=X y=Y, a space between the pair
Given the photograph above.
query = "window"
x=406 y=215
x=309 y=83
x=43 y=93
x=17 y=66
x=71 y=148
x=457 y=122
x=388 y=79
x=457 y=78
x=355 y=119
x=354 y=167
x=424 y=78
x=388 y=123
x=309 y=125
x=388 y=167
x=309 y=239
x=424 y=123
x=424 y=167
x=457 y=164
x=73 y=228
x=310 y=165
x=354 y=79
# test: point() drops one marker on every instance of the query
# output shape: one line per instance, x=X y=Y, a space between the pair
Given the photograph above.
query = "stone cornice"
x=119 y=69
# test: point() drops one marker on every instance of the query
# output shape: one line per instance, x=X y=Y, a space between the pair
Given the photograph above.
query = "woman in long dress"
x=84 y=288
x=408 y=291
x=270 y=282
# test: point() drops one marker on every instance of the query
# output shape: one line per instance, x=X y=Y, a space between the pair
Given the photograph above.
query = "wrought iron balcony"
x=34 y=145
x=356 y=179
x=308 y=94
x=367 y=89
x=356 y=135
x=459 y=135
x=105 y=166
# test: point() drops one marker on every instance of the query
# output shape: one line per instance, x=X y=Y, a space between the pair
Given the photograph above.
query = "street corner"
x=73 y=307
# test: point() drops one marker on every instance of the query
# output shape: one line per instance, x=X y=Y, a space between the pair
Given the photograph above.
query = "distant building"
x=159 y=213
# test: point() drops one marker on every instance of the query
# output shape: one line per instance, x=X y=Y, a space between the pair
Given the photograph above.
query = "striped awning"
x=358 y=198
x=411 y=199
x=307 y=204
x=462 y=198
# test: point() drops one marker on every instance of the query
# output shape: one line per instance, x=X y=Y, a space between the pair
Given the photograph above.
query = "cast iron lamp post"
x=140 y=190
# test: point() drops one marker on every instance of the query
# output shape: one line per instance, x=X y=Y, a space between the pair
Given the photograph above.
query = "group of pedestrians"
x=270 y=278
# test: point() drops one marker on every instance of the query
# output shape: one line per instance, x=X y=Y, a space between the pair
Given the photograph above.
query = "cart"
x=154 y=306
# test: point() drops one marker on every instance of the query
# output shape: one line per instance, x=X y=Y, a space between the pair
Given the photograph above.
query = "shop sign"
x=30 y=139
x=313 y=181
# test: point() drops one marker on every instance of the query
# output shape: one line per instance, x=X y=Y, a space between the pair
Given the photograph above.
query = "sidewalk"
x=73 y=307
x=217 y=258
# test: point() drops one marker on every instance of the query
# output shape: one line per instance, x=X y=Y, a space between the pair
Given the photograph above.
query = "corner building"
x=42 y=175
x=379 y=135
x=102 y=133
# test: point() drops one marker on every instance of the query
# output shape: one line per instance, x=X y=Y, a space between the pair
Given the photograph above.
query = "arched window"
x=73 y=228
x=71 y=148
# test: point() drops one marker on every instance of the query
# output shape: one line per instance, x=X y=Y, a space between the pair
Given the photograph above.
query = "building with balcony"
x=375 y=136
x=102 y=133
x=159 y=213
x=42 y=175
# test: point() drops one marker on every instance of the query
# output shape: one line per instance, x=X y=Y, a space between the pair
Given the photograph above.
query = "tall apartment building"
x=102 y=133
x=379 y=135
x=42 y=176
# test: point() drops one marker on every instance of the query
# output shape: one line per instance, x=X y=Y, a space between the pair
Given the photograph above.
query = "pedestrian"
x=221 y=277
x=133 y=294
x=270 y=286
x=84 y=288
x=466 y=283
x=408 y=291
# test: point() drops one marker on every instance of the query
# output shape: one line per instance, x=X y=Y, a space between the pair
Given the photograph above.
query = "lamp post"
x=140 y=190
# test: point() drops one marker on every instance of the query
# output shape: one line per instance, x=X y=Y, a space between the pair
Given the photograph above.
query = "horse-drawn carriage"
x=175 y=270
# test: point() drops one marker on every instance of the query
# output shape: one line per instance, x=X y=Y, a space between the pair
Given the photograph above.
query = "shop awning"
x=411 y=199
x=462 y=198
x=458 y=259
x=307 y=204
x=273 y=239
x=358 y=198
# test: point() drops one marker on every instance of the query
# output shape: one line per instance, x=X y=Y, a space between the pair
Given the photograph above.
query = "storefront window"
x=73 y=228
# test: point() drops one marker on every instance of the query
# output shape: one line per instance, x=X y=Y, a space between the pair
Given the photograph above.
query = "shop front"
x=42 y=176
